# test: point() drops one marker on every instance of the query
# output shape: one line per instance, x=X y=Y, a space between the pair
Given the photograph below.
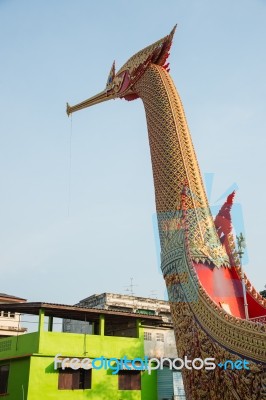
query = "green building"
x=27 y=362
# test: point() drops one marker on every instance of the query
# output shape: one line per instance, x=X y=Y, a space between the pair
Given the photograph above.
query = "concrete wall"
x=162 y=343
x=10 y=322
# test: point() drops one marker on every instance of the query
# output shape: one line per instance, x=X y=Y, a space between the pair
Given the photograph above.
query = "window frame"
x=148 y=336
x=4 y=385
x=159 y=337
x=129 y=380
x=74 y=379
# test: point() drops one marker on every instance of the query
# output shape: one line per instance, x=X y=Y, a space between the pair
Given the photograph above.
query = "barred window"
x=160 y=337
x=147 y=336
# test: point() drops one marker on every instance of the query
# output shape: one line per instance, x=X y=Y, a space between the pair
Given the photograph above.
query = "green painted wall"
x=38 y=370
x=44 y=382
x=52 y=343
x=149 y=385
x=19 y=345
x=74 y=344
x=18 y=378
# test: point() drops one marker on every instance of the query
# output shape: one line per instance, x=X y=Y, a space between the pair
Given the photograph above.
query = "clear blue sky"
x=58 y=51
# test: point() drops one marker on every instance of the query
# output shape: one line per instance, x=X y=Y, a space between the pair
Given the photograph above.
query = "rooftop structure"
x=129 y=303
x=10 y=324
x=159 y=340
x=40 y=363
x=8 y=298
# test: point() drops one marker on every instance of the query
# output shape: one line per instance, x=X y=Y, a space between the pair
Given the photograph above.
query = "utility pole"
x=240 y=247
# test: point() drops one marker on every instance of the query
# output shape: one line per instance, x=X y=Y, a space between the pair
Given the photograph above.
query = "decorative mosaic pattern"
x=175 y=168
x=187 y=235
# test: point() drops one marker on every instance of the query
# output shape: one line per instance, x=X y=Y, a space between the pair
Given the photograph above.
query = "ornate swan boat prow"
x=198 y=257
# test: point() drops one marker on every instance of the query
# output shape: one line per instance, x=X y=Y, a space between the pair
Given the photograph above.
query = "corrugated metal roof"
x=74 y=312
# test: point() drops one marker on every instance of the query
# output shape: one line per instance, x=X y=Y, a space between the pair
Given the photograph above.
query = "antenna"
x=130 y=287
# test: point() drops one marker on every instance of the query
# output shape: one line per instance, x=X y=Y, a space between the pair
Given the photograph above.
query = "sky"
x=77 y=208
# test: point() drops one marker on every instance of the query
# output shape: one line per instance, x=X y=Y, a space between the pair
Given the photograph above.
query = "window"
x=129 y=380
x=74 y=379
x=4 y=372
x=159 y=337
x=179 y=390
x=147 y=336
x=147 y=312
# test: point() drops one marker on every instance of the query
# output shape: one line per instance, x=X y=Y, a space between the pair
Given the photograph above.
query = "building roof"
x=78 y=313
x=11 y=297
x=125 y=296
